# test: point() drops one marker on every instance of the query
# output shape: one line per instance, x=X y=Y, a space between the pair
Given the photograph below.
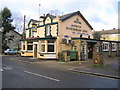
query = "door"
x=83 y=52
x=35 y=50
x=90 y=51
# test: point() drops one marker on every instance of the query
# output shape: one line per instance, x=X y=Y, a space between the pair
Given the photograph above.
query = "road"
x=24 y=75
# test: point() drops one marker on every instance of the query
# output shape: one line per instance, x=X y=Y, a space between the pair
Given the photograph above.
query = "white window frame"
x=114 y=49
x=105 y=43
x=75 y=47
x=41 y=43
x=97 y=48
x=47 y=30
x=23 y=44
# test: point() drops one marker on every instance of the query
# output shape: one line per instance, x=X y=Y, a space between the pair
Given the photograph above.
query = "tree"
x=6 y=25
x=96 y=35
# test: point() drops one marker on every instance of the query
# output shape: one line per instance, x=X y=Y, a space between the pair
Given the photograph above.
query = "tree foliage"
x=6 y=25
x=97 y=35
x=6 y=20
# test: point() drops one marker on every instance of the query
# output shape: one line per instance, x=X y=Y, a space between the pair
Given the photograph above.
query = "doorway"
x=90 y=51
x=35 y=50
x=83 y=52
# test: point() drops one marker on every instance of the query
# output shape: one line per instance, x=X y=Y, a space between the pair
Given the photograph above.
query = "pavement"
x=110 y=69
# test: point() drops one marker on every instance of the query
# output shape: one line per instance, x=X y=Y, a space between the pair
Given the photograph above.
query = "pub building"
x=51 y=35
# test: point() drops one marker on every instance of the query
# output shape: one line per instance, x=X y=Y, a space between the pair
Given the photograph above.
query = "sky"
x=101 y=14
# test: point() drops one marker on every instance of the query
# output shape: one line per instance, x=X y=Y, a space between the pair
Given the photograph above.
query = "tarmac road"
x=25 y=75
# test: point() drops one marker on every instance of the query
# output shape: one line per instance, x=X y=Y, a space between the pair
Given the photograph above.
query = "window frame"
x=30 y=44
x=53 y=43
x=48 y=28
x=42 y=43
x=74 y=47
x=105 y=43
x=114 y=49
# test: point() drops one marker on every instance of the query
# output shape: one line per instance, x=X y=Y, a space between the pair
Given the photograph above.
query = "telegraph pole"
x=39 y=9
x=24 y=27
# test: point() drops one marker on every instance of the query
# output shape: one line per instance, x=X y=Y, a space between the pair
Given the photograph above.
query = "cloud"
x=101 y=14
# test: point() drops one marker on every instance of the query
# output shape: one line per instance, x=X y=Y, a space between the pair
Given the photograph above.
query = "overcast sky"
x=101 y=14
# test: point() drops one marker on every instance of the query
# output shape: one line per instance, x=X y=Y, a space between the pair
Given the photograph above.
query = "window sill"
x=47 y=53
x=27 y=51
x=105 y=50
x=114 y=50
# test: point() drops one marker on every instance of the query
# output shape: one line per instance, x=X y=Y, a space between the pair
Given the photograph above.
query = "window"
x=75 y=47
x=48 y=30
x=42 y=48
x=30 y=32
x=97 y=48
x=105 y=46
x=51 y=46
x=23 y=47
x=114 y=47
x=30 y=46
x=119 y=46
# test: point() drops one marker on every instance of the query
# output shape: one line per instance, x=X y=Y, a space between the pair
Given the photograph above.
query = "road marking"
x=42 y=76
x=7 y=68
x=1 y=69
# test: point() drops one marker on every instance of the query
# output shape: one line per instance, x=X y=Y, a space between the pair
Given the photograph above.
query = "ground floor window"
x=114 y=47
x=106 y=46
x=50 y=48
x=75 y=47
x=50 y=45
x=97 y=48
x=42 y=47
x=23 y=47
x=47 y=46
x=30 y=46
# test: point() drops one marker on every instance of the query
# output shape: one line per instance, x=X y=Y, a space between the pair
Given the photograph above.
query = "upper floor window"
x=114 y=46
x=106 y=46
x=48 y=30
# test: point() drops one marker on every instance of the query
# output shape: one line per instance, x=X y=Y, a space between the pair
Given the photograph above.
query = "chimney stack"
x=113 y=28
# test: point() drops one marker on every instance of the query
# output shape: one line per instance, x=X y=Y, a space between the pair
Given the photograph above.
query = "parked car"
x=10 y=51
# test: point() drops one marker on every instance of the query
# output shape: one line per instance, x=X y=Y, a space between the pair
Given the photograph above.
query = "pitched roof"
x=69 y=15
x=34 y=21
x=50 y=16
x=16 y=32
x=112 y=31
